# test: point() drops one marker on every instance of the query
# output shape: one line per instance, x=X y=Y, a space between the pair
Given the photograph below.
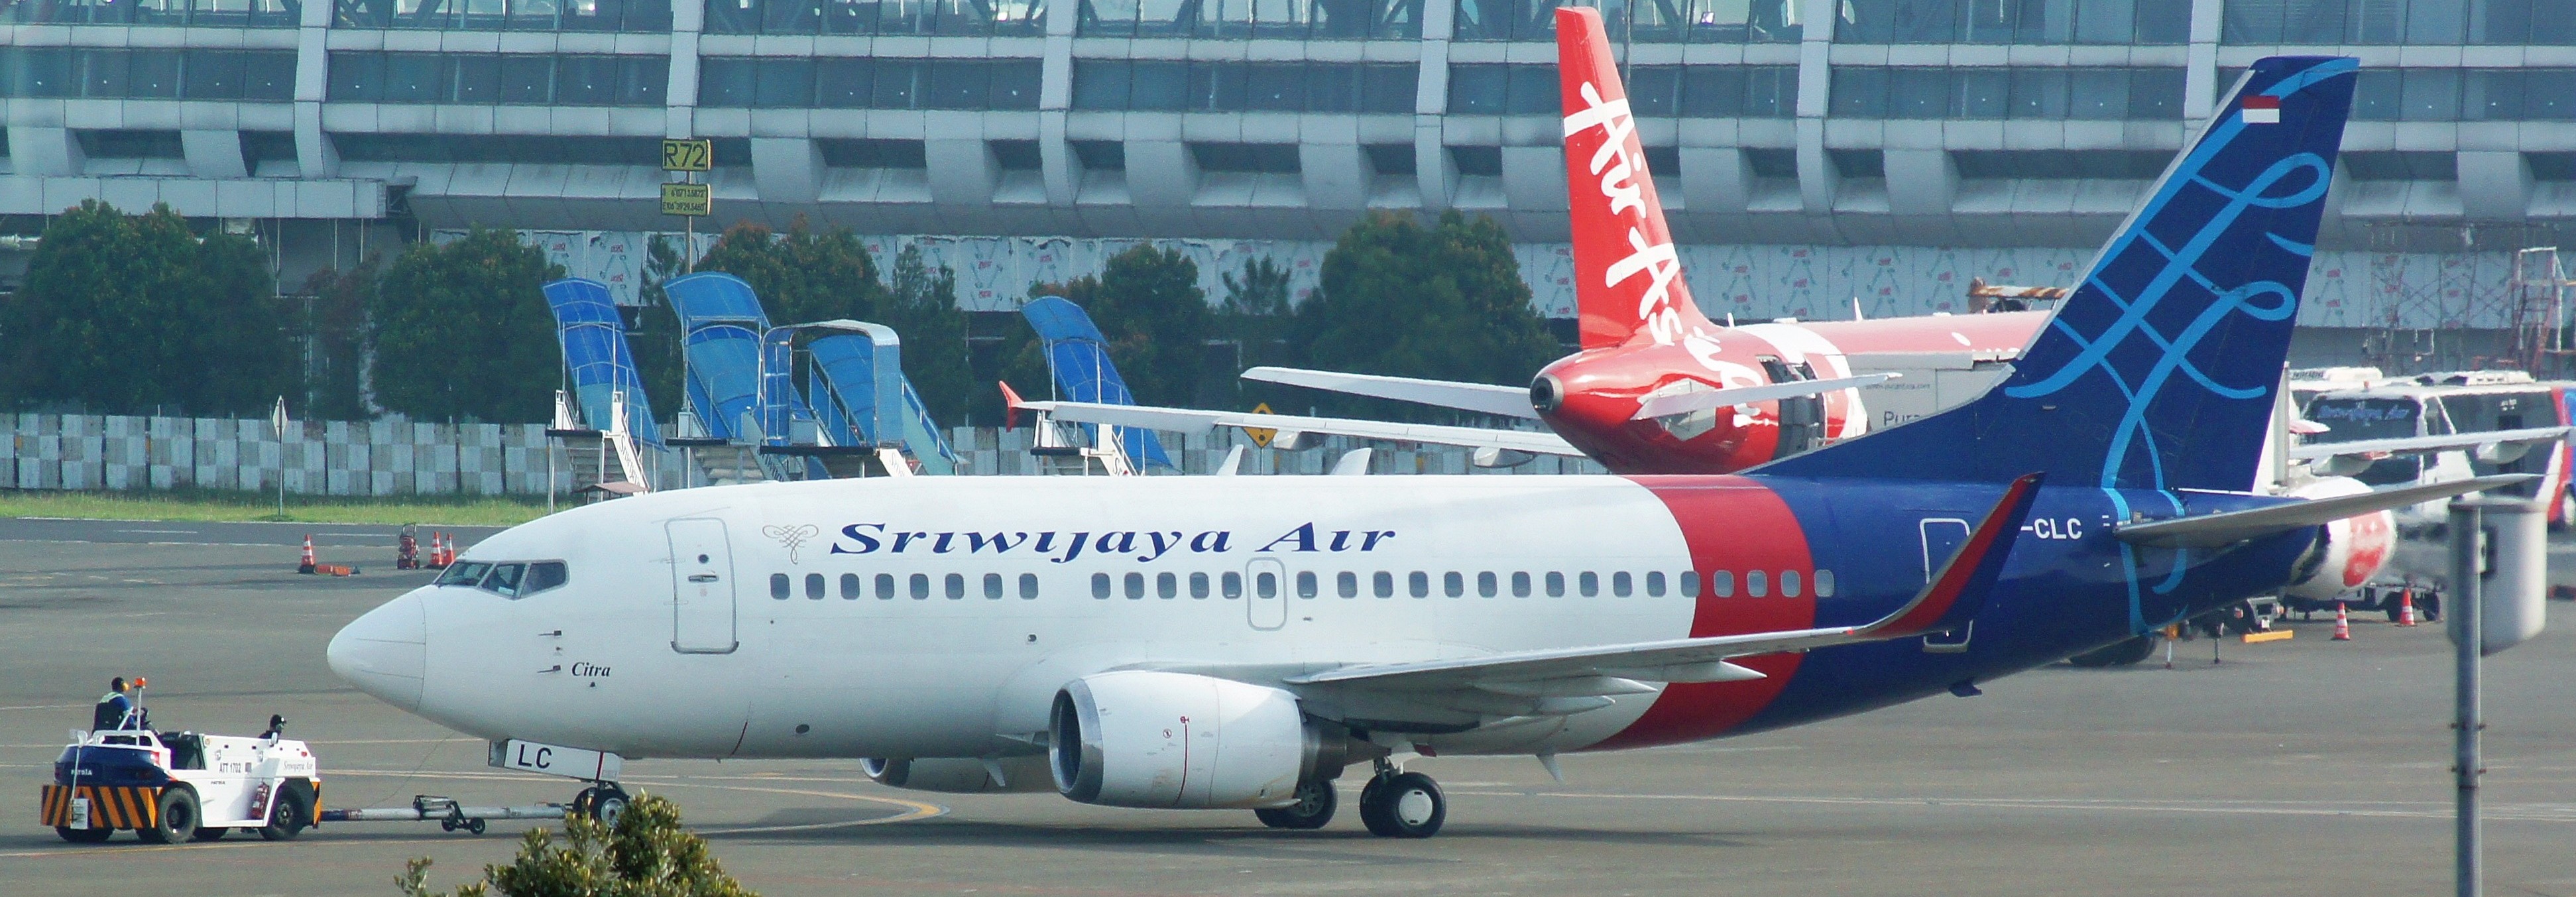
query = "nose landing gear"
x=603 y=801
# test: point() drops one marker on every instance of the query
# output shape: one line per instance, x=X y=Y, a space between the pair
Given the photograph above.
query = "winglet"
x=1959 y=590
x=1011 y=402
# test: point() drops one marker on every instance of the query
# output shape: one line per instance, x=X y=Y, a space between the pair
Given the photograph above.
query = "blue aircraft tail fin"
x=2158 y=372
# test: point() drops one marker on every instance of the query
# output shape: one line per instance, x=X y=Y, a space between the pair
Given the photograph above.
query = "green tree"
x=646 y=854
x=336 y=325
x=921 y=306
x=1256 y=319
x=656 y=337
x=801 y=276
x=132 y=313
x=463 y=331
x=1443 y=302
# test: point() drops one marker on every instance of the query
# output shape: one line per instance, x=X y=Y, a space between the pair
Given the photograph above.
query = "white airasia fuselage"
x=612 y=661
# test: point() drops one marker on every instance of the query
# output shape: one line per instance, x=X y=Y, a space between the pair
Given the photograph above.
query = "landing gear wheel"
x=84 y=835
x=1314 y=807
x=601 y=802
x=1404 y=805
x=177 y=818
x=288 y=816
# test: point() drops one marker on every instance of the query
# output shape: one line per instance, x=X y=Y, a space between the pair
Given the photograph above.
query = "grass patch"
x=210 y=505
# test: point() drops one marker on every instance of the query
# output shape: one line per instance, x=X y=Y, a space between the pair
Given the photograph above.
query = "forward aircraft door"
x=1265 y=593
x=701 y=588
x=1942 y=537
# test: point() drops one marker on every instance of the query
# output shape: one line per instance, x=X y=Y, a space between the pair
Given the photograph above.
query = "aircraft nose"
x=385 y=652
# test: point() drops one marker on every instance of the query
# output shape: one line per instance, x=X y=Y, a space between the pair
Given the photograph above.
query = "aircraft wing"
x=2410 y=445
x=1483 y=398
x=2230 y=527
x=1534 y=442
x=1571 y=680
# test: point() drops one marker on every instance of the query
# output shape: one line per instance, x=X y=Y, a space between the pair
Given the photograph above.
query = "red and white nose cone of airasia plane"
x=2356 y=547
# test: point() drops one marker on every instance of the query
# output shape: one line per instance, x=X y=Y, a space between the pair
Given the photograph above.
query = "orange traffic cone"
x=306 y=566
x=2406 y=607
x=2343 y=624
x=438 y=550
x=446 y=550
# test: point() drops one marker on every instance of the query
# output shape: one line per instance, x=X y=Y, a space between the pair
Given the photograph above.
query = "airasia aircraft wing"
x=2414 y=445
x=1483 y=398
x=1947 y=602
x=1184 y=419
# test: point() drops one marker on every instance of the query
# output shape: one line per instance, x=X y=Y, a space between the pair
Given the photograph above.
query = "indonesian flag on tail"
x=2262 y=110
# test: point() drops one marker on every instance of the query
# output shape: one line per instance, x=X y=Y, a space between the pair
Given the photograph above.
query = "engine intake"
x=1152 y=739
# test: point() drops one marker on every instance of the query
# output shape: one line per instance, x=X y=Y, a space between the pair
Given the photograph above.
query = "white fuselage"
x=940 y=666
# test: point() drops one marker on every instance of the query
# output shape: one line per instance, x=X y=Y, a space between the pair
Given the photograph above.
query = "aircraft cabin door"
x=1265 y=593
x=701 y=587
x=1942 y=537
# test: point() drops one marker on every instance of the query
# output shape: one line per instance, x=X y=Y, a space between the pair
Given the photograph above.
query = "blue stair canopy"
x=722 y=323
x=843 y=380
x=597 y=360
x=1077 y=357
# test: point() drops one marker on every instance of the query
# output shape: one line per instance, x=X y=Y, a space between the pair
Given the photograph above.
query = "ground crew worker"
x=112 y=709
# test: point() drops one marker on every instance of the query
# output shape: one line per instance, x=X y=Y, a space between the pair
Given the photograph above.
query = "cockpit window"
x=464 y=574
x=504 y=579
x=544 y=575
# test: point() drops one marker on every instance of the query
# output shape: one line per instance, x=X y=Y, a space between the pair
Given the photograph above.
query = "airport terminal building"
x=1866 y=134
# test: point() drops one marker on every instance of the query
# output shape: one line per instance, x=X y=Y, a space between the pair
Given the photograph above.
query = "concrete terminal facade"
x=1905 y=124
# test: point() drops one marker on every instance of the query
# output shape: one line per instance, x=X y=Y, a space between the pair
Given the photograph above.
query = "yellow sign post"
x=690 y=200
x=688 y=155
x=1261 y=436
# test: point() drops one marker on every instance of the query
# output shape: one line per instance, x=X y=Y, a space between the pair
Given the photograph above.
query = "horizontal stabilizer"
x=1482 y=398
x=2227 y=528
x=1687 y=402
x=2410 y=445
x=1184 y=419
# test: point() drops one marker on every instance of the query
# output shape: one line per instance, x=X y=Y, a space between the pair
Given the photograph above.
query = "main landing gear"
x=1394 y=804
x=603 y=801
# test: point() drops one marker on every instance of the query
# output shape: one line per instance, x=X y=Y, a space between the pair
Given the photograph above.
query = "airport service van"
x=2445 y=404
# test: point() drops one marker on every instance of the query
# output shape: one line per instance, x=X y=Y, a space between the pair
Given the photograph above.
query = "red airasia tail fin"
x=1627 y=278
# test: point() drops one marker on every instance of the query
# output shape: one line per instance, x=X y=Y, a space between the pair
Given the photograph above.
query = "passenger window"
x=1654 y=583
x=1166 y=585
x=1589 y=582
x=1306 y=584
x=1690 y=583
x=1756 y=583
x=1722 y=583
x=921 y=587
x=1520 y=584
x=1453 y=584
x=956 y=586
x=850 y=587
x=1418 y=584
x=1486 y=585
x=467 y=575
x=1347 y=584
x=1100 y=585
x=993 y=586
x=814 y=586
x=1555 y=584
x=544 y=575
x=1232 y=585
x=779 y=586
x=1824 y=583
x=1788 y=583
x=1620 y=584
x=885 y=586
x=1198 y=585
x=1135 y=586
x=1267 y=583
x=1383 y=583
x=1029 y=586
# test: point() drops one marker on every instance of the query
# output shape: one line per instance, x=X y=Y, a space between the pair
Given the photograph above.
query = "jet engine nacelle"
x=1140 y=738
x=2355 y=547
x=962 y=775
